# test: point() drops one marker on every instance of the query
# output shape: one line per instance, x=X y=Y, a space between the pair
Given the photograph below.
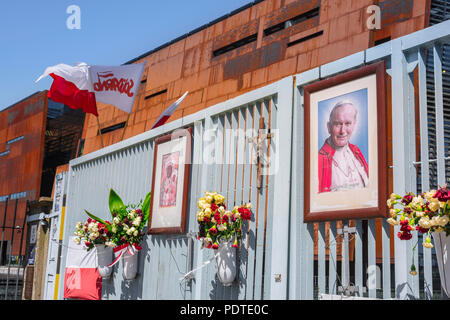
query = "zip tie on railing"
x=187 y=275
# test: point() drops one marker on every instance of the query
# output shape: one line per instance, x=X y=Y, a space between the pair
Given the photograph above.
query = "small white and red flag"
x=82 y=279
x=81 y=86
x=168 y=112
x=72 y=86
x=117 y=85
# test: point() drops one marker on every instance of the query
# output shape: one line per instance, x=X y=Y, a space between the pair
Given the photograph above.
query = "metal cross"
x=258 y=140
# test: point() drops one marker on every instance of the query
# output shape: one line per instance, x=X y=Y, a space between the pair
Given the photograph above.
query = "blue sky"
x=34 y=35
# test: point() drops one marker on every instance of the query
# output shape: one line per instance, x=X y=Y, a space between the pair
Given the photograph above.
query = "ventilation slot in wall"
x=113 y=128
x=235 y=45
x=155 y=94
x=311 y=36
x=293 y=21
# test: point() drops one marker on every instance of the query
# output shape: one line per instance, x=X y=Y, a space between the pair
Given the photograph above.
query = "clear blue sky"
x=34 y=35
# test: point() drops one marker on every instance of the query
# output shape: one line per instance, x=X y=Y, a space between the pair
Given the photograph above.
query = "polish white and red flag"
x=81 y=277
x=117 y=85
x=72 y=86
x=165 y=115
x=81 y=86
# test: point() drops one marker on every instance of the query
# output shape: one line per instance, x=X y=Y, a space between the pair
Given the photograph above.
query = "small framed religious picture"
x=345 y=146
x=170 y=182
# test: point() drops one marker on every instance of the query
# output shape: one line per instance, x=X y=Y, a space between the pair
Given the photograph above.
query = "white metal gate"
x=314 y=277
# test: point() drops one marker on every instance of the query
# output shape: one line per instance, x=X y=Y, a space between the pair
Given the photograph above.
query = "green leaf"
x=115 y=202
x=99 y=220
x=146 y=206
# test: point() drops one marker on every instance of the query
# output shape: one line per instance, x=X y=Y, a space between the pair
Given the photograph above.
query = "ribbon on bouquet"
x=131 y=248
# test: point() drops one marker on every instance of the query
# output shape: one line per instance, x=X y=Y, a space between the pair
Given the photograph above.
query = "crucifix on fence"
x=258 y=141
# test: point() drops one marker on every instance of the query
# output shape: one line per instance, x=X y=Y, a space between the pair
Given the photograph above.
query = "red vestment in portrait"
x=326 y=154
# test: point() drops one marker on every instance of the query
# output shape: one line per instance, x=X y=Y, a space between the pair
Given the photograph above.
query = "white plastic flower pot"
x=130 y=265
x=442 y=246
x=104 y=258
x=226 y=263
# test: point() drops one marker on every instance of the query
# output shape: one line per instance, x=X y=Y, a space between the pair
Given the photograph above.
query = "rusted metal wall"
x=251 y=47
x=22 y=134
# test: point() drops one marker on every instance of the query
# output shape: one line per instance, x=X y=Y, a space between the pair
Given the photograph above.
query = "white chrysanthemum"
x=221 y=227
x=425 y=223
x=137 y=221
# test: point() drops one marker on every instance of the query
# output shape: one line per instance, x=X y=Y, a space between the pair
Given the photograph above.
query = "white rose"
x=135 y=233
x=116 y=220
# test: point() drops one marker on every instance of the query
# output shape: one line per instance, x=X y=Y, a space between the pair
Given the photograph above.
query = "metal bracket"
x=346 y=230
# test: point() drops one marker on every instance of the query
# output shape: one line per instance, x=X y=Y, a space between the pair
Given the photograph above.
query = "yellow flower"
x=434 y=205
x=207 y=212
x=219 y=199
x=208 y=199
x=429 y=195
x=249 y=206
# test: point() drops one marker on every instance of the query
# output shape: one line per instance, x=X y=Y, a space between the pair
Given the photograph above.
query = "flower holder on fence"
x=226 y=263
x=218 y=227
x=104 y=258
x=123 y=234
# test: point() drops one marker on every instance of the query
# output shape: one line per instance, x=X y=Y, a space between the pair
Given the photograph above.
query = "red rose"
x=215 y=246
x=407 y=199
x=213 y=230
x=442 y=194
x=246 y=214
x=224 y=218
x=213 y=207
x=217 y=217
x=421 y=230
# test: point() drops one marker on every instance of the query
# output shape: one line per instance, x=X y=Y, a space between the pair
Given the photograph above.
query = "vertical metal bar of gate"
x=20 y=252
x=10 y=249
x=3 y=231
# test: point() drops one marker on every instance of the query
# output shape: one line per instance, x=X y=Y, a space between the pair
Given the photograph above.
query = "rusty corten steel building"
x=253 y=46
x=36 y=136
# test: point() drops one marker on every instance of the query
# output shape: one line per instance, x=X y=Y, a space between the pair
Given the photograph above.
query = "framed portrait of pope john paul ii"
x=345 y=146
x=170 y=182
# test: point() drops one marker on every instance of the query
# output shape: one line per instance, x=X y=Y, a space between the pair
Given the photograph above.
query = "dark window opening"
x=155 y=94
x=293 y=21
x=235 y=45
x=62 y=133
x=311 y=36
x=380 y=41
x=113 y=128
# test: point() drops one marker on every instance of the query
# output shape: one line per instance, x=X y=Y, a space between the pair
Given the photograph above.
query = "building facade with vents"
x=251 y=47
x=36 y=136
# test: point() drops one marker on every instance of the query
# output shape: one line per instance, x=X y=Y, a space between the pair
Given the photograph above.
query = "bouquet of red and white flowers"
x=426 y=213
x=217 y=224
x=93 y=232
x=126 y=228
